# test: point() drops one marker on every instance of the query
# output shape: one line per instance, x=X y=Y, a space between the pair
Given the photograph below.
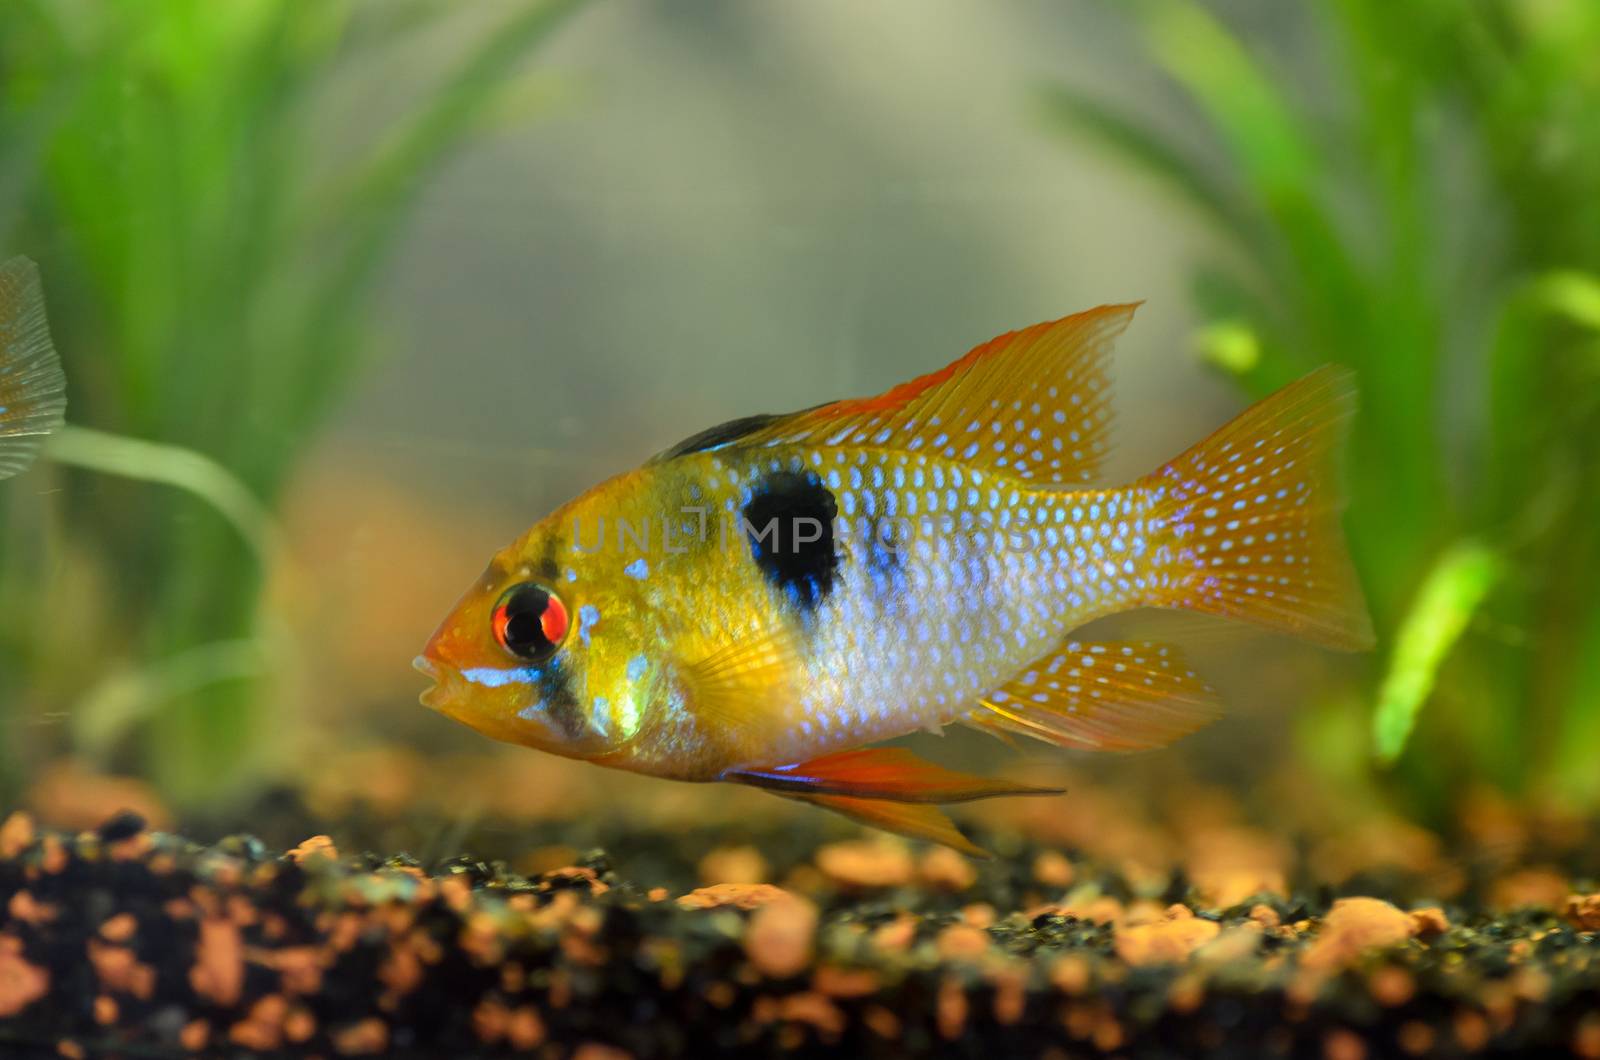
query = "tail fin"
x=32 y=387
x=1251 y=517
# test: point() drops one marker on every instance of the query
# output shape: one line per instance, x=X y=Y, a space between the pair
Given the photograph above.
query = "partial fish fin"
x=1251 y=518
x=913 y=820
x=1103 y=697
x=1032 y=404
x=737 y=691
x=888 y=773
x=33 y=390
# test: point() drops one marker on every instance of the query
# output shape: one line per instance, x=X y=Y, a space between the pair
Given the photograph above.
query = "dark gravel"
x=124 y=942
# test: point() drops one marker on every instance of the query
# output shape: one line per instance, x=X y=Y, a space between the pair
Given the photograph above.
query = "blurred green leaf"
x=1257 y=123
x=1231 y=345
x=1124 y=138
x=170 y=465
x=1426 y=214
x=211 y=263
x=1452 y=593
x=1572 y=294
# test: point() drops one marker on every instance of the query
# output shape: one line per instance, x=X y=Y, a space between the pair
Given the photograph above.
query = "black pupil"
x=524 y=626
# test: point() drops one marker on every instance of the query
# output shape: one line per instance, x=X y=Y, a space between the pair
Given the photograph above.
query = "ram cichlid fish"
x=761 y=602
x=32 y=387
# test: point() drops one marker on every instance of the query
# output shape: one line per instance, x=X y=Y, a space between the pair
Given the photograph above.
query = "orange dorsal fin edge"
x=1033 y=404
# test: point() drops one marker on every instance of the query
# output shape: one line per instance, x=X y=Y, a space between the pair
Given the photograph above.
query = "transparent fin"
x=33 y=398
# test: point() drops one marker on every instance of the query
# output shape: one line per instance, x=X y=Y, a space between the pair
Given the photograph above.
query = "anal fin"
x=1104 y=697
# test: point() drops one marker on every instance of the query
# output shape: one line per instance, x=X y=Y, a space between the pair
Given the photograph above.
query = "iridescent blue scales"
x=946 y=577
x=823 y=580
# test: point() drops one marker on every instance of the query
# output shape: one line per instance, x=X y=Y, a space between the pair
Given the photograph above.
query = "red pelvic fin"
x=913 y=820
x=886 y=773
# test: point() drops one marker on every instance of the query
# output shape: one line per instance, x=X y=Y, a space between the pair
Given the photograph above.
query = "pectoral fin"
x=741 y=691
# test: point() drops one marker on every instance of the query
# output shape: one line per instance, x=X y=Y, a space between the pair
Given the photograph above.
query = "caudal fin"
x=33 y=389
x=1250 y=517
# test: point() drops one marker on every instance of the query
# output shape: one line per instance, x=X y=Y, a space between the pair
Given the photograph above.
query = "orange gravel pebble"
x=1167 y=941
x=16 y=834
x=736 y=895
x=1053 y=870
x=1533 y=888
x=1583 y=911
x=21 y=983
x=779 y=938
x=1354 y=926
x=946 y=870
x=1429 y=923
x=733 y=865
x=318 y=846
x=218 y=974
x=866 y=863
x=366 y=1038
x=963 y=942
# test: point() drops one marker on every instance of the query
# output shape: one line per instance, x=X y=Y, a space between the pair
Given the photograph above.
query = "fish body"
x=764 y=601
x=32 y=387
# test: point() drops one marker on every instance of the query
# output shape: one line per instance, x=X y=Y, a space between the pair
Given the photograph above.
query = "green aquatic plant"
x=1414 y=195
x=210 y=251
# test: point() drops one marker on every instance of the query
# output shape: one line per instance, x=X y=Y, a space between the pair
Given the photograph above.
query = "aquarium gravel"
x=127 y=941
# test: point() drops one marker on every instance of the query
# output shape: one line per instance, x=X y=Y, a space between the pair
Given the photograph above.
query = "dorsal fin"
x=1033 y=404
x=721 y=436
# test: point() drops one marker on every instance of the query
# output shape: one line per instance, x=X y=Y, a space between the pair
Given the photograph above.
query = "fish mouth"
x=433 y=695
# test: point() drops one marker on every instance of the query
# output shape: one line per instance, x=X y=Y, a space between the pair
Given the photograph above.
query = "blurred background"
x=349 y=292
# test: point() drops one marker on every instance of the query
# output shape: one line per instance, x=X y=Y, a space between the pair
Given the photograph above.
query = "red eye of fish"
x=530 y=622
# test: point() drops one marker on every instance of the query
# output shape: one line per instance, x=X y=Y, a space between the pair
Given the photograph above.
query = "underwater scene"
x=608 y=529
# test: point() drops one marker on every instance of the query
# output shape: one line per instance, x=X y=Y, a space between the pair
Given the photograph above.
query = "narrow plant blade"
x=1145 y=150
x=1450 y=596
x=171 y=465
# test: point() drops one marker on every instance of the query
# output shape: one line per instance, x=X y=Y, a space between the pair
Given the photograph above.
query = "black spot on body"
x=789 y=521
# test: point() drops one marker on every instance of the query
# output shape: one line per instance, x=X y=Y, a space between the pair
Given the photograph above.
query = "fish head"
x=550 y=648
